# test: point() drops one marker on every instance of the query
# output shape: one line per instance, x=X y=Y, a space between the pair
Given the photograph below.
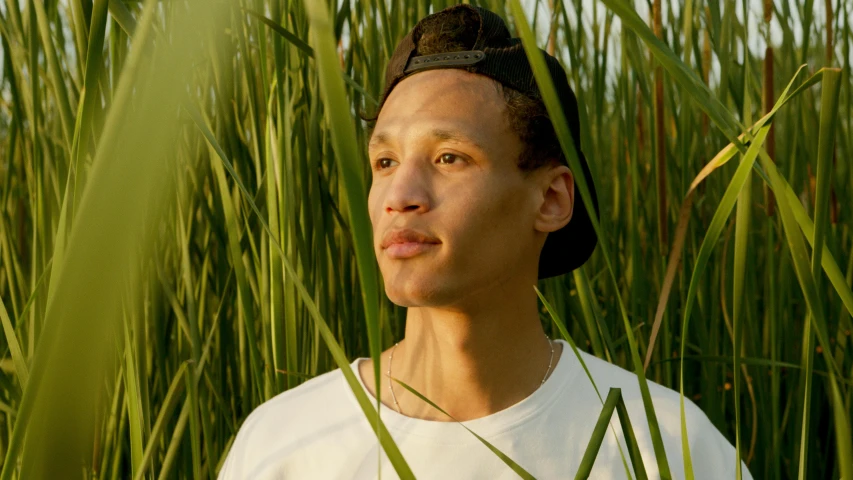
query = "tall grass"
x=183 y=231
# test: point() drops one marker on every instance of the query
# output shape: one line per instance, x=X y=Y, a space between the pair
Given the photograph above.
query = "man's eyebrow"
x=378 y=139
x=454 y=136
x=439 y=133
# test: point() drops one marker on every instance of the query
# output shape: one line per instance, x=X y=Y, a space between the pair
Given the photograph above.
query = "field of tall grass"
x=184 y=233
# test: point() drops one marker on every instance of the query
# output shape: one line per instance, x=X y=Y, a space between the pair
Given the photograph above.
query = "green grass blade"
x=170 y=401
x=843 y=436
x=830 y=266
x=743 y=221
x=807 y=282
x=256 y=95
x=175 y=442
x=565 y=333
x=831 y=87
x=800 y=256
x=68 y=195
x=594 y=444
x=720 y=159
x=742 y=225
x=684 y=215
x=713 y=234
x=35 y=293
x=245 y=296
x=347 y=150
x=195 y=430
x=62 y=99
x=504 y=457
x=631 y=440
x=94 y=65
x=21 y=369
x=122 y=16
x=826 y=145
x=83 y=308
x=287 y=34
x=600 y=339
x=388 y=444
x=549 y=95
x=134 y=406
x=276 y=285
x=685 y=78
x=307 y=50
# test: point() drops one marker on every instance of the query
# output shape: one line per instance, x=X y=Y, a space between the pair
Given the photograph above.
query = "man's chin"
x=422 y=293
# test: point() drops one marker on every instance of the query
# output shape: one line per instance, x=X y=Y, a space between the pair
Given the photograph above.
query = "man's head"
x=468 y=161
x=453 y=30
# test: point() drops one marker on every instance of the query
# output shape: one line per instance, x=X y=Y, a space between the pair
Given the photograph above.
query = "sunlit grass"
x=183 y=228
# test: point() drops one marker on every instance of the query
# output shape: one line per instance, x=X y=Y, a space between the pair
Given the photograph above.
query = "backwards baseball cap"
x=495 y=54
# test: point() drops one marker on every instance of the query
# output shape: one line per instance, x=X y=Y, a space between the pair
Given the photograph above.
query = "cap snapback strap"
x=469 y=57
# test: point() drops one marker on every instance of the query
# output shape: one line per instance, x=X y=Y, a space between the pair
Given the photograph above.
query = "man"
x=471 y=202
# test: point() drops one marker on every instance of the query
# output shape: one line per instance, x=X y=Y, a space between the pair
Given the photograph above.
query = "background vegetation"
x=183 y=235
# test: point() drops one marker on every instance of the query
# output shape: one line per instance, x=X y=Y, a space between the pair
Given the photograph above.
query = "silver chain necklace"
x=391 y=358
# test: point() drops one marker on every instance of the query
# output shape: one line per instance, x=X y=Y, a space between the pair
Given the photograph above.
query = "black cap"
x=498 y=56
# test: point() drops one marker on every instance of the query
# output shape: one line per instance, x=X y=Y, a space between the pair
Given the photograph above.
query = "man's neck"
x=471 y=365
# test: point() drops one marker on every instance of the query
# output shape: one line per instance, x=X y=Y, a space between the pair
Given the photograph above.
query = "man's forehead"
x=443 y=104
x=452 y=133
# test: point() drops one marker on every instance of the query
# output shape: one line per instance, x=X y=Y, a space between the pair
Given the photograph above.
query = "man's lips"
x=408 y=249
x=406 y=235
x=405 y=243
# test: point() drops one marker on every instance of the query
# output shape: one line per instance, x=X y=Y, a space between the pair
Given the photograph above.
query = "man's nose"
x=409 y=189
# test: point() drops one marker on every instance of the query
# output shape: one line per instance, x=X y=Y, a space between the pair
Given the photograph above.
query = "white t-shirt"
x=318 y=431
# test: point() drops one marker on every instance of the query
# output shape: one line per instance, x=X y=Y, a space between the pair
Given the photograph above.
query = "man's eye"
x=448 y=157
x=445 y=158
x=380 y=165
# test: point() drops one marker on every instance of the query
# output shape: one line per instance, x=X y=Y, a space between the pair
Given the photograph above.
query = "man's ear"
x=558 y=199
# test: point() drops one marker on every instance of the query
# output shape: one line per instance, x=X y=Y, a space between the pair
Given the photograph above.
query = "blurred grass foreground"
x=177 y=243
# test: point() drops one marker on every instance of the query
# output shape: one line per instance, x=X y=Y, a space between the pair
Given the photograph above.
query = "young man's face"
x=444 y=163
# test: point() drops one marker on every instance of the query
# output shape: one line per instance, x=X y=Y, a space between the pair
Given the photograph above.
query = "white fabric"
x=317 y=431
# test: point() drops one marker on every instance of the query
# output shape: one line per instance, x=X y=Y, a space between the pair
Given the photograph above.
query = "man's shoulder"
x=286 y=423
x=710 y=449
x=666 y=400
x=297 y=405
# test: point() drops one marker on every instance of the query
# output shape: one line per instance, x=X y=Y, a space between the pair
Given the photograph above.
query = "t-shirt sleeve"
x=228 y=470
x=224 y=473
x=237 y=460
